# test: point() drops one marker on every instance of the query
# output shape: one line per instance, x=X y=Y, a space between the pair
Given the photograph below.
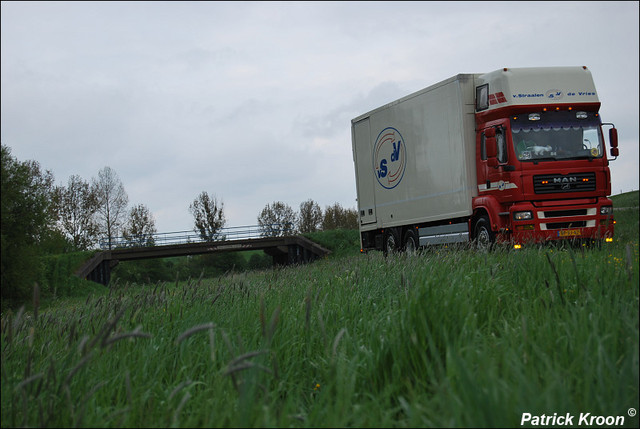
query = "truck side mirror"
x=615 y=151
x=613 y=138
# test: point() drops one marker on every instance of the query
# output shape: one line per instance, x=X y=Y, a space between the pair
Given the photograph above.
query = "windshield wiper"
x=548 y=158
x=589 y=157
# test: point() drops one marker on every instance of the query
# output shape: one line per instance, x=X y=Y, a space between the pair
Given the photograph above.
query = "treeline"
x=310 y=218
x=41 y=218
x=275 y=219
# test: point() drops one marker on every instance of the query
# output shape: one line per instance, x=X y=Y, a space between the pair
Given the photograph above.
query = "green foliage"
x=59 y=278
x=55 y=242
x=216 y=264
x=309 y=217
x=259 y=261
x=626 y=215
x=341 y=242
x=27 y=212
x=77 y=205
x=56 y=280
x=628 y=199
x=143 y=271
x=208 y=214
x=336 y=217
x=167 y=269
x=445 y=338
x=277 y=220
x=140 y=226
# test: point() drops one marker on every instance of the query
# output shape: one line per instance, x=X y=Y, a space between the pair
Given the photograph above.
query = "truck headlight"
x=523 y=215
x=606 y=210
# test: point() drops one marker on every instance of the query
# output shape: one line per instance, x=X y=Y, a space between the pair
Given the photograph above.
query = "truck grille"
x=556 y=183
x=565 y=213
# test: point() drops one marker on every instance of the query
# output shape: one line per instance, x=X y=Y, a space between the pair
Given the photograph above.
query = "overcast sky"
x=253 y=102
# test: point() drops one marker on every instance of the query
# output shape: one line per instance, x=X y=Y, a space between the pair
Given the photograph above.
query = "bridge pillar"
x=102 y=273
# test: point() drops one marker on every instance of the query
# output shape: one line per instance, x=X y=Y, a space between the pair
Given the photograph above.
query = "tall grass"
x=448 y=338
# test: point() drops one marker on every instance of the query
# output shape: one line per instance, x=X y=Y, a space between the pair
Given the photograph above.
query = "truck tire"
x=484 y=236
x=392 y=243
x=411 y=241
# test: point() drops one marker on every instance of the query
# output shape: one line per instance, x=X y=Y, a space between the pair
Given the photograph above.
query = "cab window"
x=501 y=143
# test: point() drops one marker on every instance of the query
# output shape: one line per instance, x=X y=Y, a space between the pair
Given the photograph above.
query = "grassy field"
x=446 y=338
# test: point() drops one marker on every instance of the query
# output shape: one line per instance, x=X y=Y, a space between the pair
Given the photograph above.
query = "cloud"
x=254 y=101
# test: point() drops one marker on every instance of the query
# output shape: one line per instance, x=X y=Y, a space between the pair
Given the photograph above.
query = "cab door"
x=482 y=169
x=494 y=170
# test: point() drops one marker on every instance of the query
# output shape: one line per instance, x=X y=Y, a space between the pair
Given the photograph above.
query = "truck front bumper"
x=561 y=220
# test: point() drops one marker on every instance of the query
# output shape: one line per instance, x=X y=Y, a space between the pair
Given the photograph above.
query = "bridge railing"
x=185 y=237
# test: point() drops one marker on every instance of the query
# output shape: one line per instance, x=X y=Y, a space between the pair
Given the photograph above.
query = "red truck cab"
x=541 y=162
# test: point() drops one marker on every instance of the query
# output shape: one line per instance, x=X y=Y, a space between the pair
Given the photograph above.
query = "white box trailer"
x=415 y=161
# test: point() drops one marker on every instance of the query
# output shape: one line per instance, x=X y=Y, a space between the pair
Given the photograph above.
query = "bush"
x=341 y=242
x=58 y=277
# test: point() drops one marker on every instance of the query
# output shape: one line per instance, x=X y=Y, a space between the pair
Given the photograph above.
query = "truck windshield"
x=549 y=136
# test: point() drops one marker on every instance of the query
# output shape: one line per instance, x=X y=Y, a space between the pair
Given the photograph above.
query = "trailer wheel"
x=392 y=242
x=484 y=237
x=411 y=241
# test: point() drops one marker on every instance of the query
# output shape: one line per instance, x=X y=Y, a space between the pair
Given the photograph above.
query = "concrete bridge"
x=284 y=250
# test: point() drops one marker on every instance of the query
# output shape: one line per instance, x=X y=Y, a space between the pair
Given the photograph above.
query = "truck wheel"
x=391 y=241
x=484 y=237
x=411 y=241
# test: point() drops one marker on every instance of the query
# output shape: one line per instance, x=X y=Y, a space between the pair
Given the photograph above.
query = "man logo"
x=389 y=158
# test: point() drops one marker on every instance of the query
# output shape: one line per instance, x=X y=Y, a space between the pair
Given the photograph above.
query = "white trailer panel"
x=415 y=157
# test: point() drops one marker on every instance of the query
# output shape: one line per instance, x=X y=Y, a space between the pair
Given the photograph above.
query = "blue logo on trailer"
x=389 y=158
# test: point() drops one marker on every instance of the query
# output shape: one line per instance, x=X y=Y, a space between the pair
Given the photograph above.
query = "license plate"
x=569 y=233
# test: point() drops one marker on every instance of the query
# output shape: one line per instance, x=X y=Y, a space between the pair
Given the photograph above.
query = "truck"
x=514 y=156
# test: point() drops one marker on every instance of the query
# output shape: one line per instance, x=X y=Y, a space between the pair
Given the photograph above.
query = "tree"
x=277 y=220
x=350 y=219
x=336 y=217
x=140 y=227
x=27 y=213
x=259 y=261
x=310 y=217
x=209 y=218
x=112 y=202
x=77 y=207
